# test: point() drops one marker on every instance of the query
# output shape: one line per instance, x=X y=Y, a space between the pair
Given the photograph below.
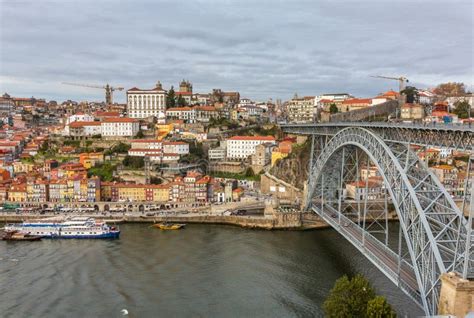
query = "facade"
x=84 y=128
x=359 y=190
x=119 y=127
x=349 y=105
x=301 y=110
x=143 y=103
x=412 y=112
x=241 y=147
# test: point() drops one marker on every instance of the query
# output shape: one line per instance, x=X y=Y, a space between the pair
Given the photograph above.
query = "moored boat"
x=69 y=228
x=19 y=236
x=169 y=226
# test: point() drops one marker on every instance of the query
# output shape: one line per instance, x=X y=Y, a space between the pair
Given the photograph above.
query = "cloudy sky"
x=264 y=49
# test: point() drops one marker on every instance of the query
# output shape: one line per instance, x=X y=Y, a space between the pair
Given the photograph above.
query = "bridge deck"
x=453 y=136
x=382 y=257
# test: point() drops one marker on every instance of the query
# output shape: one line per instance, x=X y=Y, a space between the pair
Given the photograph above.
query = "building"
x=359 y=190
x=412 y=112
x=262 y=155
x=216 y=154
x=120 y=127
x=241 y=147
x=351 y=104
x=79 y=129
x=143 y=103
x=301 y=110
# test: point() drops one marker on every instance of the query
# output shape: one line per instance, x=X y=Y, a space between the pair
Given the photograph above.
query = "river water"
x=201 y=271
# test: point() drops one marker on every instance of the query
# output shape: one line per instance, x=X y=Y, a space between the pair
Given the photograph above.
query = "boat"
x=169 y=226
x=67 y=228
x=20 y=236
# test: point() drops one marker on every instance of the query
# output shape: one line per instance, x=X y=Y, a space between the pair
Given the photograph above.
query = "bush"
x=134 y=162
x=349 y=297
x=379 y=308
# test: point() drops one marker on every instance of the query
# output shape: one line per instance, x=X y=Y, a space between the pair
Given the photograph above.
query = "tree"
x=333 y=108
x=249 y=172
x=180 y=101
x=155 y=180
x=349 y=297
x=450 y=89
x=461 y=108
x=171 y=98
x=140 y=134
x=379 y=308
x=133 y=162
x=411 y=94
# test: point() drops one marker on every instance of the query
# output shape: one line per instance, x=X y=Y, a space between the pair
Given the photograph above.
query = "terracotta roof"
x=267 y=138
x=119 y=120
x=107 y=114
x=357 y=101
x=78 y=124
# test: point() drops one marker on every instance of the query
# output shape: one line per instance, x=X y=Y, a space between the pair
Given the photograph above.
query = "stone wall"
x=457 y=295
x=282 y=190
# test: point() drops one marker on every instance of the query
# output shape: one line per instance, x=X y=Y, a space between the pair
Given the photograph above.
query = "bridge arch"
x=431 y=223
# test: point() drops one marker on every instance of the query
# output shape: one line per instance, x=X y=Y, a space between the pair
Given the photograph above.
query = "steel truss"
x=460 y=137
x=436 y=234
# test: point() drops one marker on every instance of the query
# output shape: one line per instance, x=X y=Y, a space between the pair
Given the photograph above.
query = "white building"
x=84 y=128
x=79 y=116
x=120 y=127
x=241 y=147
x=143 y=103
x=176 y=147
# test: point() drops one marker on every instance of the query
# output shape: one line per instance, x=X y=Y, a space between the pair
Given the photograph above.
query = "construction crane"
x=401 y=80
x=109 y=90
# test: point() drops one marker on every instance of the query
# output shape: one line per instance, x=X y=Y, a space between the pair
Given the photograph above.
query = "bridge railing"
x=392 y=274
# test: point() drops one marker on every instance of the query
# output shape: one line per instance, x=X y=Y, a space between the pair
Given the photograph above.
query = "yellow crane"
x=109 y=90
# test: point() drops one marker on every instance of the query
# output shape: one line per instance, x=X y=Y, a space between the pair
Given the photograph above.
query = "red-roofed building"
x=119 y=127
x=355 y=104
x=241 y=147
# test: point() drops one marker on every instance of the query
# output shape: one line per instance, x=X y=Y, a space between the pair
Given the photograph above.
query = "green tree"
x=180 y=101
x=249 y=172
x=140 y=134
x=349 y=297
x=171 y=98
x=333 y=109
x=411 y=94
x=379 y=308
x=133 y=162
x=461 y=108
x=155 y=180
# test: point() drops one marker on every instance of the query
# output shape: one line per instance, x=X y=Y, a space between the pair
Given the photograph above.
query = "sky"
x=263 y=49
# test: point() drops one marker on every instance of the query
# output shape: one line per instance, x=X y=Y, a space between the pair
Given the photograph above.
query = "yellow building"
x=89 y=160
x=163 y=129
x=131 y=192
x=161 y=193
x=22 y=167
x=277 y=155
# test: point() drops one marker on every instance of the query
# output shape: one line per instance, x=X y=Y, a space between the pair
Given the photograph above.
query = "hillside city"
x=178 y=148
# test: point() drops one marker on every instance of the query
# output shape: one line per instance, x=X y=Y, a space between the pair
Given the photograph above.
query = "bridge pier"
x=456 y=296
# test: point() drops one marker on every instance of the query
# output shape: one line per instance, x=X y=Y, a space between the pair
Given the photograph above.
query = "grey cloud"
x=261 y=48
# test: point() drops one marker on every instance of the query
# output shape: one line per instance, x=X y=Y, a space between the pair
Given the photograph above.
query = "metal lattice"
x=432 y=226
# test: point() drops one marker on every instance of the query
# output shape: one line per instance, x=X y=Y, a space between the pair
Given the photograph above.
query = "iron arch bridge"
x=361 y=181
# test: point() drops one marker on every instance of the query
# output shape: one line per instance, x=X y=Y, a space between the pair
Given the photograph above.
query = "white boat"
x=73 y=227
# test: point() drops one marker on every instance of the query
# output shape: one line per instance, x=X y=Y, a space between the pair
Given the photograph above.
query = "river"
x=201 y=271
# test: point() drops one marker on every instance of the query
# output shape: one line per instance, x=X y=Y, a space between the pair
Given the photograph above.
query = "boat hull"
x=109 y=235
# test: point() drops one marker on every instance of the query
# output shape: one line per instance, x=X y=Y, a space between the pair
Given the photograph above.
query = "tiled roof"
x=267 y=138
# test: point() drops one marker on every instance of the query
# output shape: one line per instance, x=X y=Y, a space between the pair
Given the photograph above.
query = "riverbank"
x=283 y=221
